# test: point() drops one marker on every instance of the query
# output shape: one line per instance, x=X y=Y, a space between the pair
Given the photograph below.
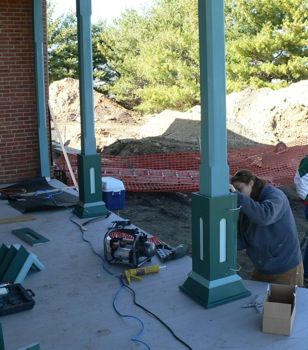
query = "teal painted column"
x=213 y=280
x=1 y=338
x=89 y=162
x=40 y=88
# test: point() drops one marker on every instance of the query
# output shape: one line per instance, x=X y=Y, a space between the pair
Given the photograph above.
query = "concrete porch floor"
x=74 y=298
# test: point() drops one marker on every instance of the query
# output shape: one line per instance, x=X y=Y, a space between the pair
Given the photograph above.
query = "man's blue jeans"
x=306 y=212
x=305 y=262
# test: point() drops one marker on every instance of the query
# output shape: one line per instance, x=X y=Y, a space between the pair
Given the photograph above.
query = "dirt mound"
x=149 y=145
x=253 y=116
x=64 y=96
x=262 y=116
x=174 y=125
x=269 y=116
x=112 y=121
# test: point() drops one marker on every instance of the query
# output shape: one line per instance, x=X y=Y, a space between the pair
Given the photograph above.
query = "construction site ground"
x=254 y=118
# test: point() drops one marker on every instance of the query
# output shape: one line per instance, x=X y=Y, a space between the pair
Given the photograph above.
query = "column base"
x=90 y=187
x=213 y=293
x=89 y=210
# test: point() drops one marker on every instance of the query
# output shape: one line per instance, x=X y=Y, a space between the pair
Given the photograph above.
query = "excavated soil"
x=254 y=117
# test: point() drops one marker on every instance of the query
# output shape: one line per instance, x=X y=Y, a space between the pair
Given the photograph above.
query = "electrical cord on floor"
x=124 y=285
x=135 y=338
x=83 y=229
x=154 y=315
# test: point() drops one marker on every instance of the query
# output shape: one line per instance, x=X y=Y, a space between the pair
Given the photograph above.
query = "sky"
x=102 y=9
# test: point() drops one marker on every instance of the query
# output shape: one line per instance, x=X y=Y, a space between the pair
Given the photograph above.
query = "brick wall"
x=19 y=157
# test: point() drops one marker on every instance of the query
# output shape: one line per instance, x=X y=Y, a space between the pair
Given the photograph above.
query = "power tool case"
x=16 y=299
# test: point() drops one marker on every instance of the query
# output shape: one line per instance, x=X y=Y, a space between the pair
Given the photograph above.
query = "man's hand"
x=232 y=188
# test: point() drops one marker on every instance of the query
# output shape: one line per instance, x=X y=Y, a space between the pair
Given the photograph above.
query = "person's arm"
x=241 y=244
x=242 y=225
x=265 y=212
x=301 y=185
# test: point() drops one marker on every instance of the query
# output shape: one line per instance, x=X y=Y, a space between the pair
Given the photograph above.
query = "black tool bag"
x=14 y=298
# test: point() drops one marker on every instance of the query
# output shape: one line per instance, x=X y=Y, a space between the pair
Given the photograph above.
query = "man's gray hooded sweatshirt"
x=267 y=230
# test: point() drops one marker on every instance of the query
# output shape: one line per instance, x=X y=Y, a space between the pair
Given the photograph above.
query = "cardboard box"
x=279 y=309
x=113 y=193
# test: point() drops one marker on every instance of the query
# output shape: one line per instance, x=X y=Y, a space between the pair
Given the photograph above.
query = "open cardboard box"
x=279 y=309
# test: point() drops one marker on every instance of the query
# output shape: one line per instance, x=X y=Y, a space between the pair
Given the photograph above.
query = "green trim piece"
x=12 y=251
x=303 y=167
x=30 y=236
x=3 y=251
x=16 y=263
x=19 y=218
x=36 y=264
x=1 y=338
x=16 y=266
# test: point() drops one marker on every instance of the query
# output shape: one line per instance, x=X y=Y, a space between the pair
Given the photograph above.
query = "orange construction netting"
x=179 y=172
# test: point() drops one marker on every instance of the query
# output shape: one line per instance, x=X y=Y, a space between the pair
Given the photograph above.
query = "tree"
x=63 y=49
x=121 y=45
x=150 y=61
x=266 y=43
x=156 y=55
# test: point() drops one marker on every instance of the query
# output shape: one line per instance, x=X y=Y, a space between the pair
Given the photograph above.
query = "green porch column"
x=40 y=88
x=213 y=280
x=89 y=162
x=1 y=338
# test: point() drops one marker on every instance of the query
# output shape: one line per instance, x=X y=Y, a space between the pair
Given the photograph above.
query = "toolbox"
x=15 y=298
x=113 y=193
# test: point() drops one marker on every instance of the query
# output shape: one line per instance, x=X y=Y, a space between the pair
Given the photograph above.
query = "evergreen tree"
x=63 y=49
x=156 y=55
x=266 y=43
x=150 y=61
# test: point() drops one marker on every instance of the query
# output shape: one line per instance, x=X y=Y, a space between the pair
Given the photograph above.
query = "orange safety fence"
x=179 y=172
